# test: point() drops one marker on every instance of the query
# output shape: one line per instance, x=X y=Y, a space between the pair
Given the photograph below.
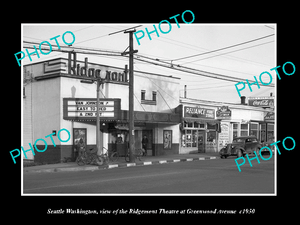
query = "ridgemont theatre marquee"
x=86 y=108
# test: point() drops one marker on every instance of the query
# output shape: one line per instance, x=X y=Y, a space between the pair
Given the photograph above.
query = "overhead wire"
x=228 y=52
x=231 y=46
x=195 y=71
x=228 y=56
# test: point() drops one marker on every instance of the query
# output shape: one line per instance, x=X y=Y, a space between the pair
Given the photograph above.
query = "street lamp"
x=100 y=78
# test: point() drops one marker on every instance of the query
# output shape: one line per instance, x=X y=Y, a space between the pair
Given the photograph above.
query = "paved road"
x=217 y=176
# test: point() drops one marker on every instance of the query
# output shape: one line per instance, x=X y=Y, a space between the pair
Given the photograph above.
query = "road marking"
x=131 y=164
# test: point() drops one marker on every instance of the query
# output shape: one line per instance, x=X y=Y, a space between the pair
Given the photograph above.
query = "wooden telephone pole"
x=131 y=85
x=131 y=99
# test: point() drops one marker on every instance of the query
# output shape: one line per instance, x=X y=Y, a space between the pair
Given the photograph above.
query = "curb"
x=158 y=162
x=120 y=165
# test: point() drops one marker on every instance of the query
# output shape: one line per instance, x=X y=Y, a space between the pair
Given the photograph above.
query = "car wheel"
x=239 y=153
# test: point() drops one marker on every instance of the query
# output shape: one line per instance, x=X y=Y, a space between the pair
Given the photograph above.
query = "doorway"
x=78 y=133
x=148 y=134
x=201 y=141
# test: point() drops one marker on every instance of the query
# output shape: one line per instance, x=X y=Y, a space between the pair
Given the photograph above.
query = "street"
x=219 y=176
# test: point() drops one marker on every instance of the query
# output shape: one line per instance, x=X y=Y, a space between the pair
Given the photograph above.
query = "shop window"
x=263 y=132
x=195 y=138
x=235 y=129
x=244 y=129
x=211 y=126
x=189 y=138
x=270 y=133
x=188 y=124
x=211 y=144
x=254 y=129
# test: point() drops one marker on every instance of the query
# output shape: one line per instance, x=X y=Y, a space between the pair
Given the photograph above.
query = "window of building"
x=254 y=129
x=270 y=133
x=190 y=134
x=235 y=130
x=143 y=94
x=154 y=95
x=211 y=126
x=244 y=129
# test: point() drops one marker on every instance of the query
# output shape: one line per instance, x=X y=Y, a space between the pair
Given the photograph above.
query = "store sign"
x=86 y=108
x=270 y=116
x=223 y=112
x=224 y=135
x=199 y=112
x=261 y=101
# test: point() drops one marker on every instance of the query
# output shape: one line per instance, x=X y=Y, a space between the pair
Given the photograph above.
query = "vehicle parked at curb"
x=241 y=146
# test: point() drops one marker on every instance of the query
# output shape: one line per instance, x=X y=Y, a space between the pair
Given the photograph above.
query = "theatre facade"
x=54 y=97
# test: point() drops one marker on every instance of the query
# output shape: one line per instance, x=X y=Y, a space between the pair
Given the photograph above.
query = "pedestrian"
x=144 y=145
x=81 y=147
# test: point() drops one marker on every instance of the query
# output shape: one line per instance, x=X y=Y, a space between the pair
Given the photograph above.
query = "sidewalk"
x=146 y=160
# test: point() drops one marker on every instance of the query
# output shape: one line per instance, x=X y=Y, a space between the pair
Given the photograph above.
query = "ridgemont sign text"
x=85 y=71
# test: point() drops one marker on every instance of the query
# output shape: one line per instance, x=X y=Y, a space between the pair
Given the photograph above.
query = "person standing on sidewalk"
x=81 y=147
x=144 y=145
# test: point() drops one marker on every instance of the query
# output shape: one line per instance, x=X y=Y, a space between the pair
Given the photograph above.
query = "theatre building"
x=57 y=94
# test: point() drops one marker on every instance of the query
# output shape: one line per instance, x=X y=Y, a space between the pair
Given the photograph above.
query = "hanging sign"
x=223 y=112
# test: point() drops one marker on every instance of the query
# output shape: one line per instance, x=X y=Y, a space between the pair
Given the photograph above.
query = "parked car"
x=241 y=146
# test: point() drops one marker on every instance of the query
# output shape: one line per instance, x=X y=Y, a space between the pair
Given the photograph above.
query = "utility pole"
x=131 y=91
x=98 y=118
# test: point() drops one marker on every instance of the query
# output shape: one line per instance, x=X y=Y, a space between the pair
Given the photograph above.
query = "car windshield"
x=238 y=140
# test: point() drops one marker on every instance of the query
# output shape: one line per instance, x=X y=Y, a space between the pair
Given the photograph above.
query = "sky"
x=243 y=61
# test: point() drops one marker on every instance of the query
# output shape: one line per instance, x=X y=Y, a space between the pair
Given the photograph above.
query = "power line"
x=228 y=52
x=198 y=72
x=195 y=46
x=231 y=46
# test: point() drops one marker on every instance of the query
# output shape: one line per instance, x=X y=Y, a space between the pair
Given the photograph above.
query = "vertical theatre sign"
x=86 y=108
